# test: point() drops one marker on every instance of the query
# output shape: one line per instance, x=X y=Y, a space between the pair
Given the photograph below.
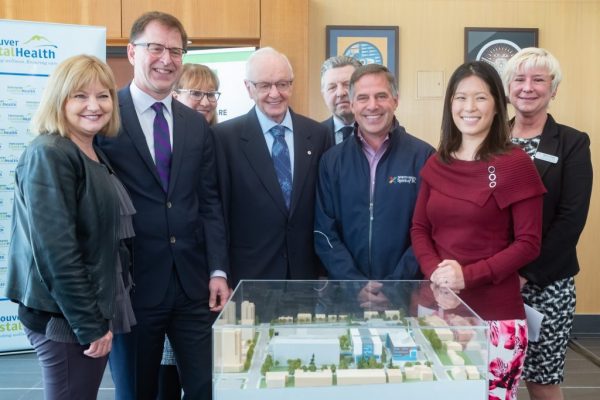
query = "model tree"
x=344 y=342
x=267 y=365
x=293 y=365
x=311 y=365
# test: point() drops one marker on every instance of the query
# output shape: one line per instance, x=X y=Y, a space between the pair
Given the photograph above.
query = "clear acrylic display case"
x=348 y=340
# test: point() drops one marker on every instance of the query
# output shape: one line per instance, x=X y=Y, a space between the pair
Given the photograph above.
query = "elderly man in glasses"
x=268 y=163
x=164 y=154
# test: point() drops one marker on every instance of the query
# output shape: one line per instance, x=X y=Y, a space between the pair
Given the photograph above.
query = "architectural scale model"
x=303 y=348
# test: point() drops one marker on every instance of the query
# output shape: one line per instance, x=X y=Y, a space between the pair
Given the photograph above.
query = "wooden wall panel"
x=203 y=19
x=284 y=26
x=431 y=39
x=84 y=12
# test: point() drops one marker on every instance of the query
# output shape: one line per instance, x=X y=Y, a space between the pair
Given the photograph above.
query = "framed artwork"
x=497 y=45
x=368 y=44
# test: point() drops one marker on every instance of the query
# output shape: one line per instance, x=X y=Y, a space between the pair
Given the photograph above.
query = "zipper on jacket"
x=371 y=198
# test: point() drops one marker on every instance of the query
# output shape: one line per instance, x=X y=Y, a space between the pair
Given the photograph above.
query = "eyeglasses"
x=264 y=87
x=157 y=49
x=198 y=95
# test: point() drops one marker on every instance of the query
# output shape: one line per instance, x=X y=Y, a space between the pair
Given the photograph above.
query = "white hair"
x=262 y=52
x=529 y=58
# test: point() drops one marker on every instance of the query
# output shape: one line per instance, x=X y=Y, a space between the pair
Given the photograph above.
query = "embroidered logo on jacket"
x=402 y=179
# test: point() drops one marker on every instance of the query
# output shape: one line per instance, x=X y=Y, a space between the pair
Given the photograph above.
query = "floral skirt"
x=508 y=344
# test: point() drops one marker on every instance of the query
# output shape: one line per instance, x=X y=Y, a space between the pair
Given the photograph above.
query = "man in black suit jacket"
x=267 y=238
x=335 y=82
x=180 y=260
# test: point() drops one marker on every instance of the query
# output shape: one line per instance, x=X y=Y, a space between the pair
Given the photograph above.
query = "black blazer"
x=566 y=204
x=182 y=229
x=328 y=123
x=64 y=236
x=265 y=240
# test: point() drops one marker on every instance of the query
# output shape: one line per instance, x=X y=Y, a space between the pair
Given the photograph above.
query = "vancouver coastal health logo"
x=37 y=47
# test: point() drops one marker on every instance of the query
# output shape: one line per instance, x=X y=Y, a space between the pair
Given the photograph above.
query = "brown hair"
x=139 y=25
x=369 y=69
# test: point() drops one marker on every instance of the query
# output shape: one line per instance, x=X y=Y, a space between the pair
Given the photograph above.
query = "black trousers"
x=135 y=358
x=66 y=372
x=169 y=387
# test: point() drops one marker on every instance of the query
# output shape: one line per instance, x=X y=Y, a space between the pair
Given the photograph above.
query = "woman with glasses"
x=196 y=88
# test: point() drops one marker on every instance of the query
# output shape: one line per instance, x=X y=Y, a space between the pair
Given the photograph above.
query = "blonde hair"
x=194 y=76
x=71 y=75
x=528 y=58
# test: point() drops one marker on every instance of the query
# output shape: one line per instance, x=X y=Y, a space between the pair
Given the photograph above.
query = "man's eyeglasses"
x=198 y=95
x=264 y=87
x=157 y=49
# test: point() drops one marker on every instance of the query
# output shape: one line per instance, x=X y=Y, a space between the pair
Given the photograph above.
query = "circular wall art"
x=364 y=52
x=497 y=53
x=497 y=45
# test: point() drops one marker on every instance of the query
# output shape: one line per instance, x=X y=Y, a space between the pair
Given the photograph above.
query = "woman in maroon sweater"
x=478 y=216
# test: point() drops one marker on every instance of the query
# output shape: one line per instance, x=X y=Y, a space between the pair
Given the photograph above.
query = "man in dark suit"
x=180 y=261
x=268 y=163
x=335 y=82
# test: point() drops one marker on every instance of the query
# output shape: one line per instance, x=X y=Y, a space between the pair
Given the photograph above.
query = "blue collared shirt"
x=266 y=124
x=337 y=128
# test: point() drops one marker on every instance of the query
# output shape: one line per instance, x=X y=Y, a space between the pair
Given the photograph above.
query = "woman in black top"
x=62 y=266
x=562 y=157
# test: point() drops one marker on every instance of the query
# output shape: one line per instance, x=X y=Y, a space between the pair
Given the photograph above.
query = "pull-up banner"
x=29 y=52
x=229 y=65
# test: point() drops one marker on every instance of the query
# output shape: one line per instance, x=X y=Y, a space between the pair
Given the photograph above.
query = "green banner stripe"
x=216 y=57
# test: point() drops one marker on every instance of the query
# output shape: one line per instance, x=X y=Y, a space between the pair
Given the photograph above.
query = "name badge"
x=546 y=157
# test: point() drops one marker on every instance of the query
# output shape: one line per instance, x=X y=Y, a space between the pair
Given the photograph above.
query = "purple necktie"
x=162 y=145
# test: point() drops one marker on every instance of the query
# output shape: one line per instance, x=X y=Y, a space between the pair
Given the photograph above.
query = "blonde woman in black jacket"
x=65 y=231
x=562 y=157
